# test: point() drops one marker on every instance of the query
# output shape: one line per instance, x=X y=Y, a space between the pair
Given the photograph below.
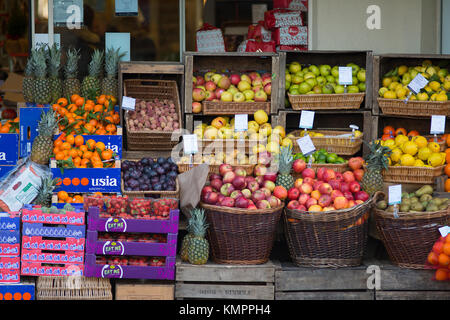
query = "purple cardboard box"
x=53 y=231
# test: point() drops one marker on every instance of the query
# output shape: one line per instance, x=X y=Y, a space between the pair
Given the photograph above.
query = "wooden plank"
x=152 y=67
x=325 y=295
x=133 y=155
x=213 y=272
x=412 y=295
x=306 y=279
x=375 y=85
x=276 y=71
x=224 y=291
x=188 y=74
x=369 y=81
x=367 y=129
x=281 y=81
x=374 y=132
x=395 y=278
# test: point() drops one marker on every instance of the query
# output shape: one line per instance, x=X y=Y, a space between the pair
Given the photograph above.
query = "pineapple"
x=53 y=69
x=71 y=83
x=45 y=192
x=377 y=160
x=92 y=80
x=42 y=94
x=186 y=240
x=28 y=80
x=110 y=83
x=198 y=251
x=285 y=160
x=43 y=144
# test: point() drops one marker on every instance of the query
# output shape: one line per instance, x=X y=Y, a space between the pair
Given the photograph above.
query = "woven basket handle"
x=378 y=196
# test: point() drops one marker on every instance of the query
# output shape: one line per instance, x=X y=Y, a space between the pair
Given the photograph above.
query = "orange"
x=91 y=144
x=444 y=260
x=447 y=248
x=93 y=122
x=83 y=148
x=101 y=99
x=73 y=153
x=95 y=157
x=98 y=108
x=116 y=118
x=79 y=101
x=441 y=275
x=87 y=155
x=400 y=131
x=70 y=139
x=74 y=97
x=62 y=195
x=69 y=200
x=79 y=140
x=447 y=167
x=110 y=128
x=389 y=130
x=447 y=185
x=89 y=127
x=433 y=258
x=72 y=107
x=62 y=102
x=97 y=164
x=4 y=129
x=100 y=132
x=56 y=107
x=66 y=146
x=62 y=112
x=78 y=199
x=88 y=107
x=77 y=160
x=413 y=133
x=447 y=156
x=59 y=155
x=55 y=150
x=107 y=154
x=75 y=181
x=84 y=162
x=100 y=145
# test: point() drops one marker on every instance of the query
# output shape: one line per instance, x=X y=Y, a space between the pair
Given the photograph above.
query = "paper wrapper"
x=191 y=185
x=291 y=4
x=282 y=18
x=258 y=32
x=291 y=36
x=210 y=39
x=260 y=46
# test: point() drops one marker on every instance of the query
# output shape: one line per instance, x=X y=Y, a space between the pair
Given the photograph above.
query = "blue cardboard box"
x=9 y=237
x=9 y=223
x=4 y=170
x=9 y=149
x=25 y=290
x=28 y=122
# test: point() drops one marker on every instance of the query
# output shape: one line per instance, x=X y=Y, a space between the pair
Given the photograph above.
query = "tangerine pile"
x=85 y=116
x=439 y=257
x=64 y=197
x=10 y=126
x=73 y=152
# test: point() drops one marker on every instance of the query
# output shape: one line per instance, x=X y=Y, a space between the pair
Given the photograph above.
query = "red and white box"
x=258 y=32
x=10 y=269
x=291 y=4
x=210 y=39
x=282 y=18
x=9 y=276
x=291 y=36
x=292 y=48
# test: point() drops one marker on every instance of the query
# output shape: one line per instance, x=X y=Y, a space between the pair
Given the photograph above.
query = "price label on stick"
x=306 y=145
x=306 y=119
x=241 y=122
x=128 y=103
x=345 y=76
x=444 y=231
x=190 y=145
x=395 y=194
x=417 y=83
x=437 y=124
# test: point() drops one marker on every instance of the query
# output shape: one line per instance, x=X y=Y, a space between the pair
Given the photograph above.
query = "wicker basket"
x=73 y=288
x=330 y=239
x=442 y=144
x=208 y=146
x=409 y=238
x=183 y=167
x=326 y=101
x=241 y=236
x=332 y=143
x=341 y=167
x=152 y=89
x=404 y=174
x=414 y=107
x=232 y=108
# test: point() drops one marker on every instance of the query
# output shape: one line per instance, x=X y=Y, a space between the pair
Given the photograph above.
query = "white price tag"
x=345 y=76
x=417 y=83
x=444 y=231
x=128 y=103
x=306 y=119
x=437 y=124
x=190 y=145
x=241 y=122
x=306 y=145
x=395 y=194
x=41 y=39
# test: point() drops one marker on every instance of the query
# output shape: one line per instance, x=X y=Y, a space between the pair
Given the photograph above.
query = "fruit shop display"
x=153 y=115
x=74 y=152
x=394 y=83
x=439 y=258
x=131 y=261
x=377 y=161
x=234 y=188
x=419 y=201
x=9 y=126
x=246 y=87
x=322 y=79
x=148 y=174
x=194 y=247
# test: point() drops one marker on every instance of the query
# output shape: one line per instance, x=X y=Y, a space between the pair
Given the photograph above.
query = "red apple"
x=309 y=180
x=252 y=207
x=304 y=197
x=260 y=170
x=320 y=172
x=220 y=197
x=348 y=195
x=269 y=185
x=344 y=187
x=340 y=203
x=317 y=184
x=200 y=81
x=266 y=191
x=229 y=176
x=348 y=176
x=210 y=96
x=211 y=198
x=301 y=208
x=351 y=203
x=325 y=188
x=359 y=173
x=270 y=176
x=210 y=86
x=198 y=94
x=214 y=176
x=263 y=204
x=236 y=194
x=274 y=201
x=268 y=89
x=219 y=92
x=239 y=182
x=310 y=202
x=227 y=189
x=196 y=107
x=308 y=172
x=258 y=195
x=354 y=186
x=280 y=192
x=328 y=175
x=298 y=183
x=241 y=202
x=293 y=204
x=253 y=186
x=299 y=165
x=306 y=188
x=335 y=194
x=362 y=195
x=224 y=82
x=355 y=163
x=235 y=79
x=248 y=179
x=207 y=189
x=260 y=180
x=335 y=184
x=246 y=193
x=293 y=193
x=324 y=200
x=227 y=202
x=339 y=177
x=240 y=172
x=216 y=184
x=224 y=168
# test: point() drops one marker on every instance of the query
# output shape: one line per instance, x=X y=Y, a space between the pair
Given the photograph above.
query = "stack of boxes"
x=9 y=247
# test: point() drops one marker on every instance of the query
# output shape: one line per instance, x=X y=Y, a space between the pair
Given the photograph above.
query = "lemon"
x=389 y=143
x=407 y=160
x=421 y=141
x=441 y=97
x=422 y=96
x=280 y=131
x=433 y=97
x=402 y=70
x=318 y=134
x=434 y=146
x=400 y=139
x=383 y=90
x=435 y=160
x=261 y=117
x=434 y=85
x=413 y=97
x=447 y=85
x=424 y=153
x=400 y=92
x=393 y=85
x=396 y=154
x=409 y=147
x=418 y=163
x=273 y=147
x=390 y=95
x=287 y=142
x=386 y=82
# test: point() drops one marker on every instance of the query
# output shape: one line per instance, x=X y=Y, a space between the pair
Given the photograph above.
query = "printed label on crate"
x=9 y=149
x=37 y=229
x=113 y=248
x=71 y=244
x=37 y=269
x=116 y=225
x=10 y=276
x=111 y=271
x=9 y=249
x=72 y=257
x=10 y=263
x=70 y=218
x=7 y=222
x=9 y=237
x=17 y=291
x=89 y=180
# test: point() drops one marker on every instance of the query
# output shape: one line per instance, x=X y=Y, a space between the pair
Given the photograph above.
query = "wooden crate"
x=218 y=281
x=144 y=290
x=332 y=58
x=295 y=283
x=330 y=120
x=383 y=63
x=238 y=62
x=73 y=288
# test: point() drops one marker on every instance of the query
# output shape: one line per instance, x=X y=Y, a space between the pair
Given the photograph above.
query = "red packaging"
x=258 y=32
x=210 y=39
x=140 y=207
x=116 y=205
x=258 y=46
x=93 y=201
x=282 y=18
x=291 y=4
x=291 y=36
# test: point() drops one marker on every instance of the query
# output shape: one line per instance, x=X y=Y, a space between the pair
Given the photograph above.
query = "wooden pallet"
x=216 y=281
x=133 y=289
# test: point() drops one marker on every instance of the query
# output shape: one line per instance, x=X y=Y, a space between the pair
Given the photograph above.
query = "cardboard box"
x=133 y=291
x=19 y=291
x=28 y=125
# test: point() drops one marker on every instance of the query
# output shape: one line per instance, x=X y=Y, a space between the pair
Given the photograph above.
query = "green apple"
x=309 y=75
x=297 y=79
x=295 y=67
x=216 y=78
x=331 y=79
x=312 y=82
x=321 y=81
x=232 y=91
x=355 y=80
x=361 y=75
x=339 y=89
x=249 y=94
x=414 y=73
x=328 y=89
x=355 y=68
x=317 y=89
x=287 y=85
x=314 y=69
x=442 y=73
x=238 y=97
x=226 y=96
x=294 y=86
x=406 y=79
x=352 y=89
x=304 y=88
x=362 y=87
x=335 y=72
x=305 y=70
x=325 y=70
x=288 y=77
x=310 y=92
x=294 y=91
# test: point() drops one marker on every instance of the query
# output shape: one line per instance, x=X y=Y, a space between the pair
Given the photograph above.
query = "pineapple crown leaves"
x=29 y=68
x=96 y=63
x=378 y=156
x=71 y=66
x=54 y=59
x=47 y=123
x=40 y=62
x=285 y=159
x=198 y=223
x=112 y=58
x=48 y=185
